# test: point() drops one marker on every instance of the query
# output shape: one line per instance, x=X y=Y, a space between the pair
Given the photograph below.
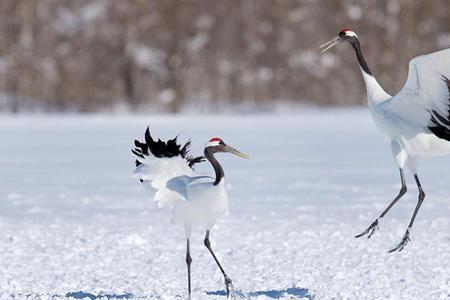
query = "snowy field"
x=74 y=224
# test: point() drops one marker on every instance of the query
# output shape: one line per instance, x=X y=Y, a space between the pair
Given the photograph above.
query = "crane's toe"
x=370 y=230
x=229 y=287
x=402 y=244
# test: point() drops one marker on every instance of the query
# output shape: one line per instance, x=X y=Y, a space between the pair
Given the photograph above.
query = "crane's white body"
x=405 y=117
x=416 y=120
x=166 y=169
x=192 y=197
x=204 y=204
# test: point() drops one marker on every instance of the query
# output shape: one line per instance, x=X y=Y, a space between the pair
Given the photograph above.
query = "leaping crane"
x=416 y=119
x=195 y=199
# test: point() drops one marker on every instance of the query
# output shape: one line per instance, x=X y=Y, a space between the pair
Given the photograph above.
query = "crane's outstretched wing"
x=159 y=162
x=425 y=98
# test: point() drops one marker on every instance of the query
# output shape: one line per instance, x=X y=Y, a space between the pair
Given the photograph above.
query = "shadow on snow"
x=275 y=294
x=84 y=295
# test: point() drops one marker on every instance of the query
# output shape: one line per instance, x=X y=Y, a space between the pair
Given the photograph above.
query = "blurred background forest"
x=204 y=55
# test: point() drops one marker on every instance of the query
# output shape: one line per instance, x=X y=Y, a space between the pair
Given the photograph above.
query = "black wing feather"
x=441 y=124
x=196 y=160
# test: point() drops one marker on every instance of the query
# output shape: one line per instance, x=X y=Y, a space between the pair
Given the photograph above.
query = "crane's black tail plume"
x=162 y=149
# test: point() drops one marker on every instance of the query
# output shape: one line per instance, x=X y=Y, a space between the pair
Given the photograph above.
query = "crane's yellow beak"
x=236 y=152
x=330 y=44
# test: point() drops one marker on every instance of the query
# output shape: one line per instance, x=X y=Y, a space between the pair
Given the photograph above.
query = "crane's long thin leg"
x=228 y=282
x=188 y=263
x=406 y=238
x=374 y=226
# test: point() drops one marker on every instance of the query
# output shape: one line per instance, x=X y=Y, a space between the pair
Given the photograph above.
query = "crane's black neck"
x=216 y=165
x=362 y=62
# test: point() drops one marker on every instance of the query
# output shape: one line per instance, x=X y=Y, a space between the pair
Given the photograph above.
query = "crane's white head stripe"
x=213 y=142
x=348 y=32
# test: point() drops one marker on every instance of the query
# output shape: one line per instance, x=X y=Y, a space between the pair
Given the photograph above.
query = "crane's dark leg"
x=374 y=226
x=228 y=283
x=188 y=263
x=406 y=238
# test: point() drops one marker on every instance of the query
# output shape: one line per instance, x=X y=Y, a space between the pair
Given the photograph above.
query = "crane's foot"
x=229 y=288
x=402 y=244
x=370 y=231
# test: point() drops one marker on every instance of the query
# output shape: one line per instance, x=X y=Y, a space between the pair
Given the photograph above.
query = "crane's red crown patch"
x=215 y=139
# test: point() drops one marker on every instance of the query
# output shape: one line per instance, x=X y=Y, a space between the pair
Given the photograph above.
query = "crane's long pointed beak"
x=330 y=44
x=236 y=152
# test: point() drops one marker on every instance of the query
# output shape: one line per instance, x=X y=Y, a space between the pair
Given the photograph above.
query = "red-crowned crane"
x=195 y=199
x=416 y=120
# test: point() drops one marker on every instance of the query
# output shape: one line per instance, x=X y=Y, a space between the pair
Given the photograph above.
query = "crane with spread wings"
x=416 y=120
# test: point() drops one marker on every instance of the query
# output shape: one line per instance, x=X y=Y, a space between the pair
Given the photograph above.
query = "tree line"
x=175 y=55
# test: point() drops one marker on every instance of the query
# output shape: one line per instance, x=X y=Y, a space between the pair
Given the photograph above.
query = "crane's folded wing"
x=160 y=170
x=176 y=189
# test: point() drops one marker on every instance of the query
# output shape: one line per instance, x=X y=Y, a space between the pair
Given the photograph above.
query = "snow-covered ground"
x=73 y=223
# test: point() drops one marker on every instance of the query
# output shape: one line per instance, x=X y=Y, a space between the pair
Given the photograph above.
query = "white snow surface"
x=75 y=224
